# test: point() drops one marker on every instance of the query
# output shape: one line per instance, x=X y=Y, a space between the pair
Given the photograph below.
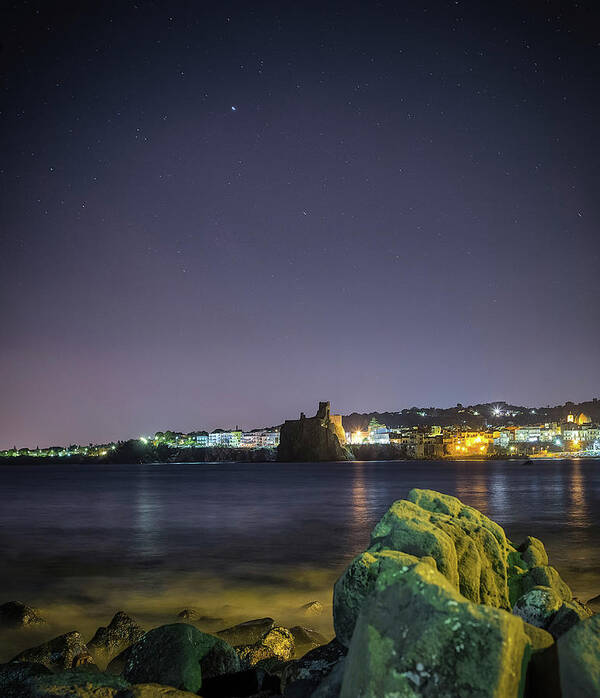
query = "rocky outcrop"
x=14 y=614
x=178 y=655
x=312 y=608
x=247 y=633
x=63 y=652
x=442 y=603
x=302 y=676
x=277 y=643
x=419 y=635
x=358 y=582
x=306 y=639
x=579 y=659
x=109 y=641
x=308 y=439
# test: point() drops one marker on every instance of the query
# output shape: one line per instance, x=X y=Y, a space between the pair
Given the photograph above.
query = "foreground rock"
x=443 y=604
x=301 y=677
x=120 y=633
x=278 y=644
x=358 y=582
x=14 y=614
x=177 y=655
x=579 y=659
x=248 y=682
x=594 y=604
x=247 y=633
x=419 y=636
x=63 y=652
x=31 y=681
x=305 y=640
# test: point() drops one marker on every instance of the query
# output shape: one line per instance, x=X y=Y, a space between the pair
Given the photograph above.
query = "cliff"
x=318 y=438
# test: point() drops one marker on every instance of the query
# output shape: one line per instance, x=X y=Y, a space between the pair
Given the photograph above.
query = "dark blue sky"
x=217 y=213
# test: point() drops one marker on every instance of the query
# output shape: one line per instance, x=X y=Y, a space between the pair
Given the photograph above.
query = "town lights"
x=143 y=439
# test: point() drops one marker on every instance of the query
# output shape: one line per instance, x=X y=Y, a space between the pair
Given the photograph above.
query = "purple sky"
x=217 y=214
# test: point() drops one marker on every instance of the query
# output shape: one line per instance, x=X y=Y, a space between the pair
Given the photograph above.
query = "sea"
x=236 y=541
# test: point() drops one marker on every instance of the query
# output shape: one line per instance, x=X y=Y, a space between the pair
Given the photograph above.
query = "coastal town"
x=495 y=435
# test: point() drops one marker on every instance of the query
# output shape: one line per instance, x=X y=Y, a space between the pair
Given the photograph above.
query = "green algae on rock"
x=419 y=636
x=358 y=581
x=178 y=655
x=579 y=659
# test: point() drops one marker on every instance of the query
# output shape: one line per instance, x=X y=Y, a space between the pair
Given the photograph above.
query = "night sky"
x=216 y=214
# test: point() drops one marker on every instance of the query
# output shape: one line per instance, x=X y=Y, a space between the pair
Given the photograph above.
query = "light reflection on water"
x=241 y=540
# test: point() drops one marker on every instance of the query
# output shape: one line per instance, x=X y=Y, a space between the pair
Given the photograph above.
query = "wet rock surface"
x=277 y=644
x=247 y=633
x=304 y=675
x=120 y=633
x=14 y=614
x=62 y=652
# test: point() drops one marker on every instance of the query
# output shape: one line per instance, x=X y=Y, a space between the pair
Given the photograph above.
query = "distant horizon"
x=308 y=412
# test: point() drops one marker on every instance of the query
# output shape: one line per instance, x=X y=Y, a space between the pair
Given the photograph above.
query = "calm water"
x=240 y=540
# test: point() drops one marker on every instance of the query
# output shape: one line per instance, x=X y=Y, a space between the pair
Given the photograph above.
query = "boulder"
x=469 y=549
x=62 y=652
x=570 y=613
x=277 y=644
x=539 y=576
x=538 y=606
x=419 y=636
x=14 y=676
x=302 y=676
x=242 y=683
x=331 y=685
x=178 y=655
x=533 y=552
x=247 y=633
x=120 y=633
x=358 y=581
x=306 y=639
x=14 y=614
x=579 y=659
x=68 y=684
x=312 y=608
x=594 y=604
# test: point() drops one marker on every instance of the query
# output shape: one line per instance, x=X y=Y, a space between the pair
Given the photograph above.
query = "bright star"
x=233 y=108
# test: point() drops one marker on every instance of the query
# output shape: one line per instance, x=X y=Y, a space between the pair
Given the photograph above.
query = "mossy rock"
x=568 y=615
x=72 y=684
x=469 y=549
x=418 y=636
x=533 y=552
x=178 y=655
x=541 y=575
x=358 y=581
x=277 y=644
x=538 y=606
x=579 y=659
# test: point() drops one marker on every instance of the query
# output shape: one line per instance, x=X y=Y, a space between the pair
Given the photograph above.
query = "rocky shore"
x=442 y=604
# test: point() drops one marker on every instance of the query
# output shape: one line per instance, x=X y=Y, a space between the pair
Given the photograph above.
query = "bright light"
x=496 y=411
x=143 y=439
